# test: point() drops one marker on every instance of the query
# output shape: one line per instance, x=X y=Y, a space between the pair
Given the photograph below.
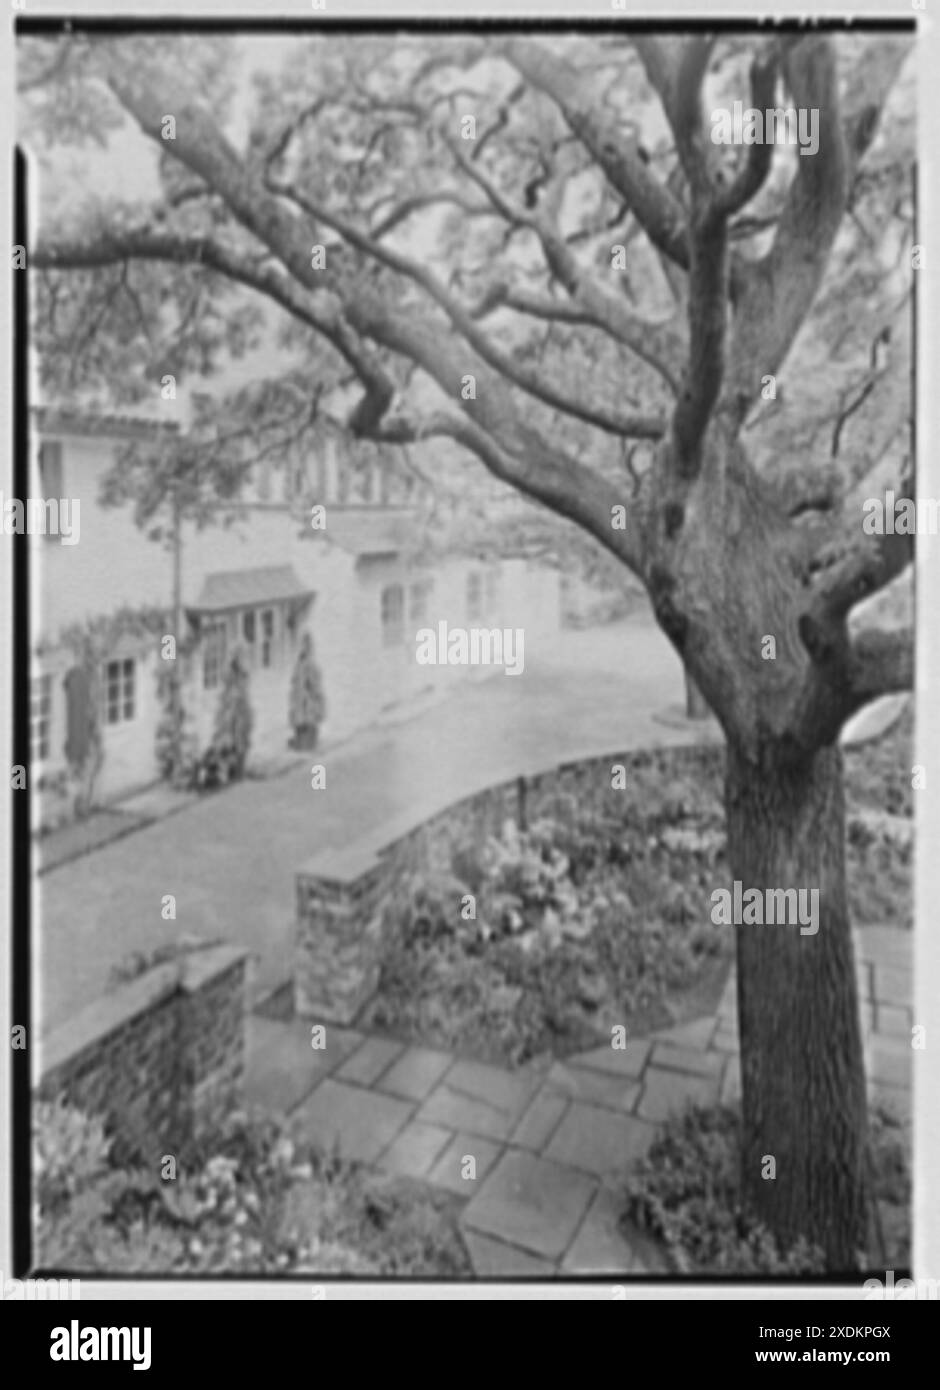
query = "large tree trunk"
x=803 y=1079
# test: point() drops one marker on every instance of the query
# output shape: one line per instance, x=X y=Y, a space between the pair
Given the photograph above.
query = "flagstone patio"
x=548 y=1143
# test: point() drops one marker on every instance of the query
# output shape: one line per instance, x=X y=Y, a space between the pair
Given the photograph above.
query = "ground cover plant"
x=686 y=1194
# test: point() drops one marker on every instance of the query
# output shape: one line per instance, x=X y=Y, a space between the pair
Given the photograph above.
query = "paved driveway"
x=230 y=858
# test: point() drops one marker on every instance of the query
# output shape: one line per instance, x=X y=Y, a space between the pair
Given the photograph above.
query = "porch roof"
x=246 y=588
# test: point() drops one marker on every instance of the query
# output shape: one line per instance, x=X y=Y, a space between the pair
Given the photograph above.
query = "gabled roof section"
x=370 y=531
x=50 y=419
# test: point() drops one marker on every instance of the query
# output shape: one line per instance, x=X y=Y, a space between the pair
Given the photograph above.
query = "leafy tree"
x=554 y=221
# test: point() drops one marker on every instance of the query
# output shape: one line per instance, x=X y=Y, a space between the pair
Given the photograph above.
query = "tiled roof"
x=77 y=420
x=370 y=530
x=242 y=588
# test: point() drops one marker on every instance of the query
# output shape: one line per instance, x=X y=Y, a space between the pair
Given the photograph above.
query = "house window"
x=119 y=691
x=393 y=615
x=267 y=637
x=40 y=716
x=492 y=591
x=474 y=595
x=213 y=654
x=248 y=634
x=296 y=482
x=418 y=596
x=50 y=477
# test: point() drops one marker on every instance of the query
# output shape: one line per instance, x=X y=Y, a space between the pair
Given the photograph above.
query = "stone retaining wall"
x=343 y=897
x=160 y=1058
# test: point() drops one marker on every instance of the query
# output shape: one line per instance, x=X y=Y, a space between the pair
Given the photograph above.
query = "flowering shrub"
x=428 y=905
x=527 y=890
x=252 y=1203
x=599 y=913
x=70 y=1152
x=590 y=917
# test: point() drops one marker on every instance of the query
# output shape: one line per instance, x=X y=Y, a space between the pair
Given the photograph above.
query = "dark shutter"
x=50 y=468
x=78 y=715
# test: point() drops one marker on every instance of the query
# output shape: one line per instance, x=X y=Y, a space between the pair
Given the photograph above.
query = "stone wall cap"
x=347 y=864
x=204 y=964
x=107 y=1014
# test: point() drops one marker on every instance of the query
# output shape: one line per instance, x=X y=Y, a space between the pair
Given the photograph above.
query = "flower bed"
x=589 y=918
x=537 y=941
x=253 y=1202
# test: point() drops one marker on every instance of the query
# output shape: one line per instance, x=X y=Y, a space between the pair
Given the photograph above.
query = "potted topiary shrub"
x=175 y=747
x=224 y=760
x=307 y=705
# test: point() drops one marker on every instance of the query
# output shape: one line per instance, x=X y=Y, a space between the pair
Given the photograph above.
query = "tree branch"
x=111 y=247
x=752 y=177
x=49 y=73
x=679 y=82
x=404 y=209
x=676 y=69
x=661 y=346
x=560 y=483
x=616 y=152
x=880 y=663
x=777 y=292
x=460 y=316
x=116 y=247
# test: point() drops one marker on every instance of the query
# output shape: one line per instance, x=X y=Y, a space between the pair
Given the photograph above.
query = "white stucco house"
x=259 y=578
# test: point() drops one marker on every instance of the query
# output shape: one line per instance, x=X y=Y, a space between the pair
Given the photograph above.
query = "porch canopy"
x=250 y=588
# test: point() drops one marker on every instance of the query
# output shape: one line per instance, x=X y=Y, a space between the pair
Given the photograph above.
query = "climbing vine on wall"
x=176 y=749
x=91 y=644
